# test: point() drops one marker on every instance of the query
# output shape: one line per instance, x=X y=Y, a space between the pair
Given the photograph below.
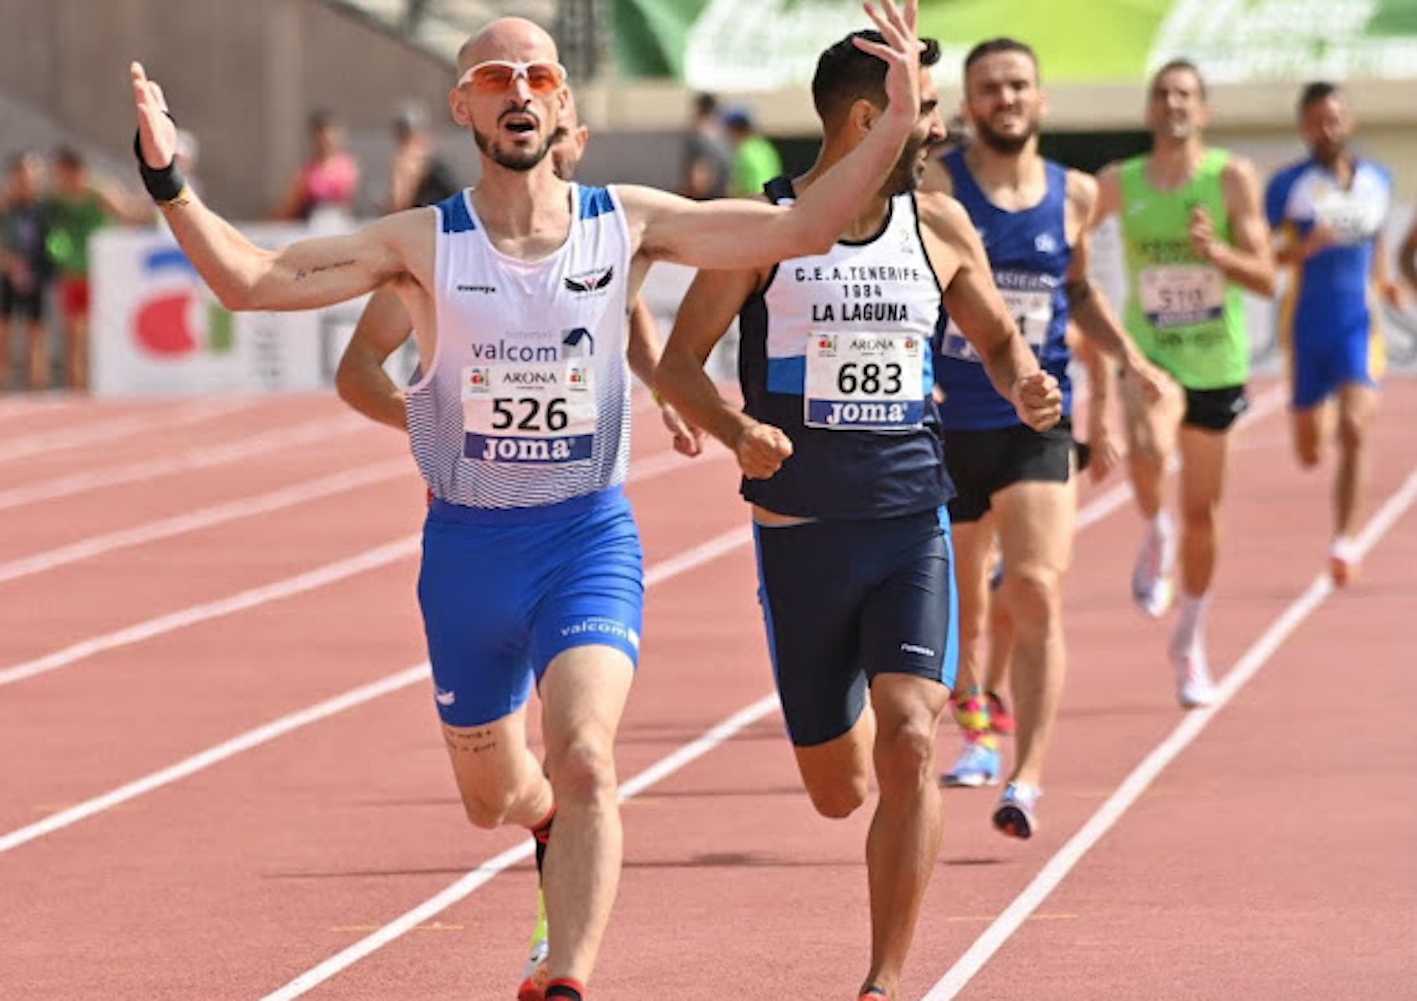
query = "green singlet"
x=1181 y=310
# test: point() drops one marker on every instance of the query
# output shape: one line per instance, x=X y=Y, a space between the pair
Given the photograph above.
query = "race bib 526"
x=535 y=412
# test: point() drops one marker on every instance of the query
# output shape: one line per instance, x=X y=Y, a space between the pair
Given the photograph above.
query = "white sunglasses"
x=497 y=75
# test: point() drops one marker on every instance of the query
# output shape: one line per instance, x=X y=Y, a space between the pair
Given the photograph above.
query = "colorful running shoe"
x=978 y=765
x=971 y=712
x=537 y=974
x=1017 y=809
x=1001 y=721
x=874 y=993
x=1152 y=587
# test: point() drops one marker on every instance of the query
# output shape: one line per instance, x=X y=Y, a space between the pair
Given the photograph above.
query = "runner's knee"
x=1198 y=514
x=1033 y=596
x=582 y=771
x=1350 y=432
x=905 y=750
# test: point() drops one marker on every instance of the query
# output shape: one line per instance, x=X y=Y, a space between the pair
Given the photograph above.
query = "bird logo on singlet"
x=591 y=282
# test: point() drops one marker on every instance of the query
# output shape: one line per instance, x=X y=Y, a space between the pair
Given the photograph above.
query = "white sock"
x=1344 y=547
x=1190 y=624
x=1163 y=534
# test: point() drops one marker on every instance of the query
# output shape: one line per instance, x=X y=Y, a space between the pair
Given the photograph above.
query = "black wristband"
x=164 y=183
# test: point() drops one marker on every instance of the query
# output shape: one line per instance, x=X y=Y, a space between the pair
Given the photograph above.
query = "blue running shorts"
x=503 y=592
x=845 y=601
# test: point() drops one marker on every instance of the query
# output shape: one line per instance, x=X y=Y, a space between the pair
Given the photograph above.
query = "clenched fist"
x=761 y=450
x=1038 y=400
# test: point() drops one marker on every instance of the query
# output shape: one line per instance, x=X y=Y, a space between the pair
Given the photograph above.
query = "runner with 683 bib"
x=845 y=472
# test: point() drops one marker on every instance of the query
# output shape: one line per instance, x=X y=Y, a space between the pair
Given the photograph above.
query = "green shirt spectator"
x=755 y=159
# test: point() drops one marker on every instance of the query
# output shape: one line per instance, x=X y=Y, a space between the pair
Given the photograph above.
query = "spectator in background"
x=329 y=179
x=708 y=162
x=417 y=176
x=24 y=267
x=755 y=159
x=79 y=205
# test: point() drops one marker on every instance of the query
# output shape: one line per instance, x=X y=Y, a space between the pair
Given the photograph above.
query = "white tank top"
x=527 y=400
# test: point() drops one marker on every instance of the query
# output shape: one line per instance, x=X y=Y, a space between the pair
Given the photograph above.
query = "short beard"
x=520 y=162
x=905 y=175
x=1008 y=145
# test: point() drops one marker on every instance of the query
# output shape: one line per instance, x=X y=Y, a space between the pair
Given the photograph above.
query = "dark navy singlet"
x=1030 y=255
x=836 y=352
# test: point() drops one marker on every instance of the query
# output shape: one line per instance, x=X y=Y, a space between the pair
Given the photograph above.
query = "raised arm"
x=708 y=309
x=305 y=274
x=1249 y=260
x=1089 y=309
x=744 y=234
x=974 y=303
x=360 y=379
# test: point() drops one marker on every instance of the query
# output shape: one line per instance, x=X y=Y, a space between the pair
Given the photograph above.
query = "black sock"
x=563 y=991
x=541 y=834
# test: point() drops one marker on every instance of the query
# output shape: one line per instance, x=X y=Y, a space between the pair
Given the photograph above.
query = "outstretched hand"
x=900 y=52
x=157 y=133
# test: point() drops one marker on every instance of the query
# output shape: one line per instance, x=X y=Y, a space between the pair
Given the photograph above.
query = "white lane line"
x=25 y=405
x=205 y=759
x=207 y=517
x=1141 y=777
x=658 y=573
x=186 y=460
x=484 y=873
x=369 y=559
x=649 y=468
x=119 y=427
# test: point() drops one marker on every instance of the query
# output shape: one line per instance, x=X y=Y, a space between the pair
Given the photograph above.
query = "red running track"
x=1271 y=859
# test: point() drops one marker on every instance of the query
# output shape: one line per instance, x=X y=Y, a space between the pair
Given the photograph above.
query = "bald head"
x=570 y=142
x=513 y=38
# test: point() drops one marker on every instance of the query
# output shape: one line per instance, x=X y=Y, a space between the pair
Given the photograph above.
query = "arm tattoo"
x=304 y=273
